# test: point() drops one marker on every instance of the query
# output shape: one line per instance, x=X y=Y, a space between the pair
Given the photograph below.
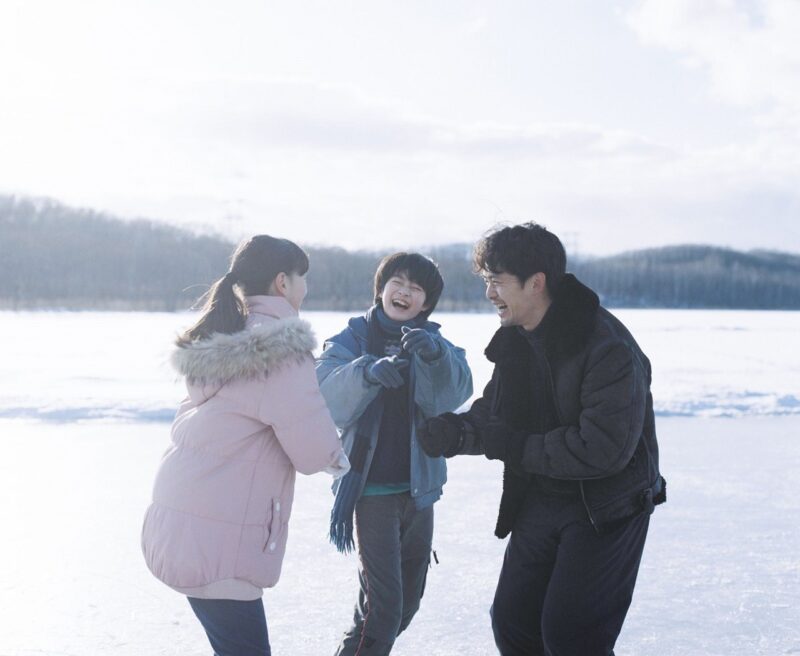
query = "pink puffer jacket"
x=218 y=523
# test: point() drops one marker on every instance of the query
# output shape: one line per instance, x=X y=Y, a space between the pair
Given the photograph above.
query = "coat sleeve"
x=476 y=417
x=293 y=405
x=613 y=402
x=341 y=379
x=442 y=384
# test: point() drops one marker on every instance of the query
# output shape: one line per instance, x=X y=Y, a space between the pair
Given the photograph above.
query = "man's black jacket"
x=603 y=437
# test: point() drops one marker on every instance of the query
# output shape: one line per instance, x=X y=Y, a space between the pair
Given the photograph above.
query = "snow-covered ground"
x=84 y=403
x=67 y=366
x=720 y=575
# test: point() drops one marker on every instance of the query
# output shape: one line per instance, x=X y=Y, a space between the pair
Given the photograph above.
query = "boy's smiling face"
x=402 y=298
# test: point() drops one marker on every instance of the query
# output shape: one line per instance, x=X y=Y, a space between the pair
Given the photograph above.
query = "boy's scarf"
x=352 y=483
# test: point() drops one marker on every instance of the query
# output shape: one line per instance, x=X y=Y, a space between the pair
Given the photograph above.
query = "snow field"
x=720 y=574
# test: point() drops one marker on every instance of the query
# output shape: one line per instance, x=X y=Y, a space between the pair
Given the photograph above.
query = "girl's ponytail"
x=254 y=265
x=223 y=312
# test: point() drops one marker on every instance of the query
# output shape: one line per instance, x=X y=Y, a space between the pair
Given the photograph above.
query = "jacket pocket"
x=272 y=527
x=631 y=494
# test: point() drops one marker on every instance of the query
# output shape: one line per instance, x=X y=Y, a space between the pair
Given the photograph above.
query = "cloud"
x=418 y=144
x=750 y=50
x=303 y=115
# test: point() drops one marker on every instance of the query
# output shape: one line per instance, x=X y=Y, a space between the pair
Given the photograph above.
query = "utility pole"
x=570 y=241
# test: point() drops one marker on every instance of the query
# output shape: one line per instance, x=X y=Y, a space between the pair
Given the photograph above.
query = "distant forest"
x=54 y=256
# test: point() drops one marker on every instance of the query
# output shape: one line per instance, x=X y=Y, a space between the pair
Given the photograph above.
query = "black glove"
x=386 y=372
x=442 y=435
x=501 y=442
x=420 y=341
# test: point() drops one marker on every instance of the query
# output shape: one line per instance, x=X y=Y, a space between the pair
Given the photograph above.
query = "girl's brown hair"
x=254 y=265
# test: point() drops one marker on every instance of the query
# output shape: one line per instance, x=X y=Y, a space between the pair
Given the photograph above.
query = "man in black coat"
x=569 y=411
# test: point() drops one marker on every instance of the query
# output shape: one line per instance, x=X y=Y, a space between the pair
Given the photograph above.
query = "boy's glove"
x=386 y=371
x=501 y=442
x=442 y=435
x=421 y=342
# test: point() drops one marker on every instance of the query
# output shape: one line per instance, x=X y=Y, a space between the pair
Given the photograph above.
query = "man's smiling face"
x=512 y=299
x=402 y=298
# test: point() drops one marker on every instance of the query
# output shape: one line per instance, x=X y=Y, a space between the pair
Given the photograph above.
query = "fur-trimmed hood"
x=252 y=352
x=222 y=499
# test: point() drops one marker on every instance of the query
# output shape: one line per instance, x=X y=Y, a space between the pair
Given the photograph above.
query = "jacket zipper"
x=495 y=407
x=560 y=418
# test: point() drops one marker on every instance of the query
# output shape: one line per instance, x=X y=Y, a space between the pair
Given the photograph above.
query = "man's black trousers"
x=564 y=590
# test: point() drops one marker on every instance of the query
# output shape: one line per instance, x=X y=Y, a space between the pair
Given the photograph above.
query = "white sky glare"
x=375 y=124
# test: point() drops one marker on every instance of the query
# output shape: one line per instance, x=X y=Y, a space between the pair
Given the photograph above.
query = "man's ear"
x=540 y=290
x=535 y=283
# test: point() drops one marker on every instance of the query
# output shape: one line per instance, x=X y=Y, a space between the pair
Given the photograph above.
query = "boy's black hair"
x=419 y=269
x=522 y=250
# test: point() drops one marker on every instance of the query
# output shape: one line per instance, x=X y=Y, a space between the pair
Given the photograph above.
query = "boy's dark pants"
x=564 y=590
x=394 y=546
x=234 y=628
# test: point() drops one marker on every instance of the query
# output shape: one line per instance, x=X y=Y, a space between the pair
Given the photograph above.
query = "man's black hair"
x=419 y=269
x=522 y=250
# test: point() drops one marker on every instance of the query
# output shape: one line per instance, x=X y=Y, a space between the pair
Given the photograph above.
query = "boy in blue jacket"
x=382 y=377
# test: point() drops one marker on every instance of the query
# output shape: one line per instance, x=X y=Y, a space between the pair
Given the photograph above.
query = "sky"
x=618 y=124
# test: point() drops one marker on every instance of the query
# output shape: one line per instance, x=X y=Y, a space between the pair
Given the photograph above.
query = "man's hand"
x=501 y=442
x=441 y=436
x=495 y=436
x=421 y=342
x=386 y=372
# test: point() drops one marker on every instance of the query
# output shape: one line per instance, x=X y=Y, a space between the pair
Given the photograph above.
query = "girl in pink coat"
x=216 y=530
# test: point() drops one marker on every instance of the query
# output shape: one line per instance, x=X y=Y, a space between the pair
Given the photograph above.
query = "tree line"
x=52 y=255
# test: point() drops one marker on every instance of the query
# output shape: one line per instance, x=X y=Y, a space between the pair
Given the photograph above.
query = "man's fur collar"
x=248 y=353
x=569 y=322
